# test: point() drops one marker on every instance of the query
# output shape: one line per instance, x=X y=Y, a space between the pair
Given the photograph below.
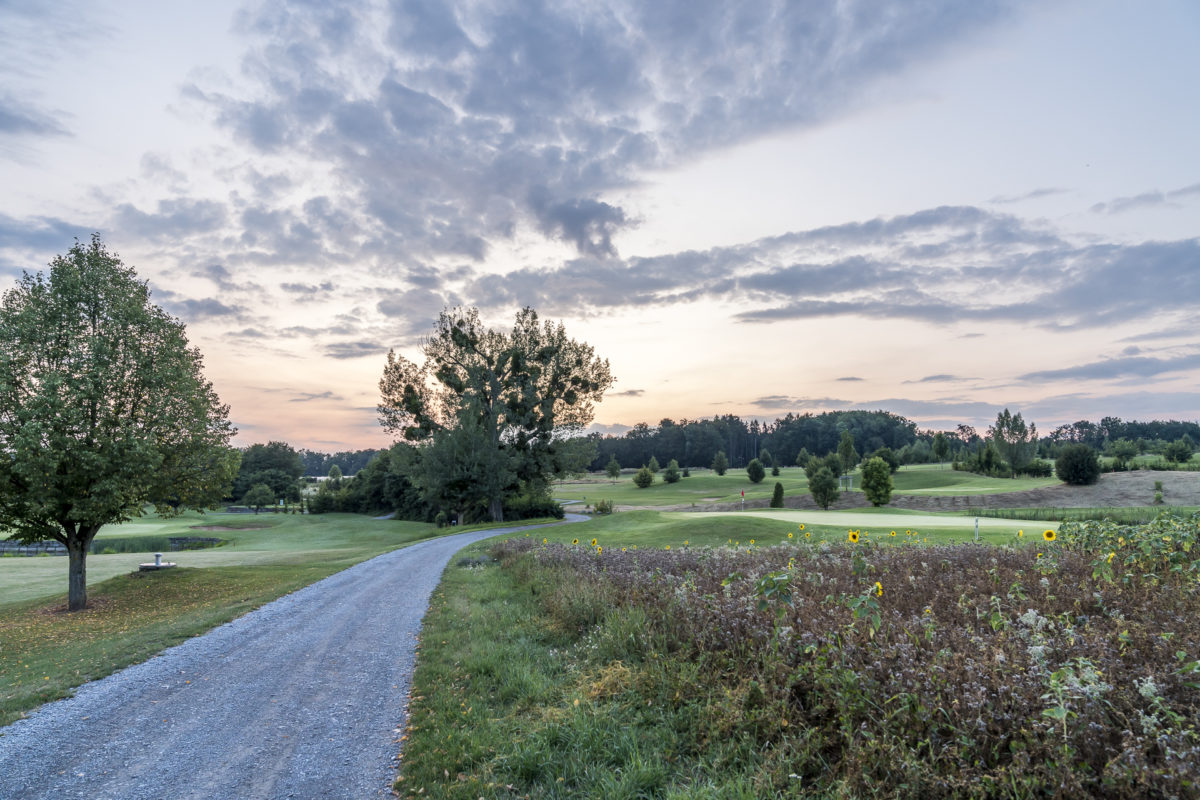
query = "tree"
x=276 y=458
x=824 y=487
x=1015 y=442
x=671 y=473
x=103 y=408
x=877 y=481
x=941 y=447
x=335 y=473
x=830 y=461
x=777 y=496
x=846 y=452
x=802 y=457
x=1078 y=465
x=775 y=471
x=643 y=478
x=755 y=471
x=653 y=465
x=460 y=471
x=765 y=457
x=524 y=391
x=888 y=456
x=613 y=469
x=1179 y=451
x=720 y=464
x=1123 y=451
x=257 y=496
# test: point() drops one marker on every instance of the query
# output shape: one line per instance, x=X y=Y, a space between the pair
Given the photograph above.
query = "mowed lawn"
x=705 y=486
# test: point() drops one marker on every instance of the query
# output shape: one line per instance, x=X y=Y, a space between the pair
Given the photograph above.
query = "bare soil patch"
x=1114 y=489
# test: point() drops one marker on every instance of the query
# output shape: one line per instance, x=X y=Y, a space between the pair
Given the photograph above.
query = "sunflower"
x=574 y=541
x=893 y=533
x=807 y=535
x=789 y=535
x=751 y=541
x=622 y=549
x=599 y=549
x=594 y=542
x=853 y=536
x=1048 y=535
x=1020 y=534
x=544 y=541
x=801 y=526
x=668 y=547
x=878 y=589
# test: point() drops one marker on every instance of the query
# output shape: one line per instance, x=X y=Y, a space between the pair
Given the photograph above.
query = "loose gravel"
x=302 y=698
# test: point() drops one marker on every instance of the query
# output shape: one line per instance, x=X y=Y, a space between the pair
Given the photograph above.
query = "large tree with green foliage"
x=1078 y=465
x=521 y=392
x=103 y=408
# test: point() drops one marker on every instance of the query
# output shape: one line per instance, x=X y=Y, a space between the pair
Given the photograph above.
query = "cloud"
x=194 y=310
x=1032 y=195
x=173 y=219
x=850 y=378
x=787 y=402
x=940 y=379
x=360 y=349
x=447 y=127
x=1119 y=368
x=628 y=393
x=42 y=235
x=24 y=119
x=308 y=397
x=1146 y=200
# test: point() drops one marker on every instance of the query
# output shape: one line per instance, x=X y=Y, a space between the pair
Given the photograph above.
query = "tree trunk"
x=496 y=508
x=77 y=574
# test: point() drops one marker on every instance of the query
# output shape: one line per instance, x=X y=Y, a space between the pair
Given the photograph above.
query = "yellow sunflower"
x=853 y=536
x=574 y=541
x=878 y=589
x=1048 y=535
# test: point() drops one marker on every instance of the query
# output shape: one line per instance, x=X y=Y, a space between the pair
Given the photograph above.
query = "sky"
x=939 y=209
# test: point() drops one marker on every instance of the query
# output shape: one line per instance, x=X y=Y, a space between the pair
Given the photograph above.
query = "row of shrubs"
x=1065 y=669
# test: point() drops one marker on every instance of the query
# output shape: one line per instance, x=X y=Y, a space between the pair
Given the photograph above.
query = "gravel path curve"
x=302 y=698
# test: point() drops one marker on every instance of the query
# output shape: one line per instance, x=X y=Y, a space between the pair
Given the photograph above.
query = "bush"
x=653 y=465
x=1178 y=452
x=720 y=463
x=1078 y=465
x=888 y=456
x=755 y=471
x=777 y=496
x=877 y=481
x=604 y=507
x=440 y=519
x=643 y=478
x=1038 y=469
x=687 y=473
x=535 y=507
x=775 y=471
x=824 y=487
x=671 y=473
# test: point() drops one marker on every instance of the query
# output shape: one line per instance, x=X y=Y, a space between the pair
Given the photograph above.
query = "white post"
x=977 y=529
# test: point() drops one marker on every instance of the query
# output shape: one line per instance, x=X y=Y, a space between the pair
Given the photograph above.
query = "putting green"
x=859 y=519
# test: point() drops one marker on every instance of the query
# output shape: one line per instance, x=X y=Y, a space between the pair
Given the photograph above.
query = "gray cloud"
x=486 y=119
x=25 y=119
x=344 y=350
x=40 y=234
x=1146 y=200
x=628 y=393
x=787 y=402
x=1119 y=368
x=173 y=219
x=850 y=378
x=193 y=310
x=940 y=379
x=308 y=397
x=1031 y=195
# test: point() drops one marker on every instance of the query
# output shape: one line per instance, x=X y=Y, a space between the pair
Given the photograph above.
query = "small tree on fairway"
x=755 y=471
x=671 y=473
x=643 y=478
x=613 y=469
x=846 y=452
x=1078 y=465
x=764 y=456
x=103 y=408
x=258 y=496
x=941 y=447
x=802 y=457
x=653 y=465
x=1123 y=451
x=877 y=481
x=775 y=471
x=777 y=496
x=1178 y=452
x=720 y=464
x=824 y=487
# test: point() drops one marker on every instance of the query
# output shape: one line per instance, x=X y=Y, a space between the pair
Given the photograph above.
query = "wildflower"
x=1020 y=534
x=1048 y=535
x=1039 y=555
x=789 y=535
x=928 y=610
x=1110 y=557
x=893 y=533
x=622 y=549
x=807 y=535
x=801 y=526
x=593 y=542
x=668 y=547
x=544 y=541
x=574 y=541
x=599 y=549
x=685 y=541
x=731 y=540
x=878 y=589
x=751 y=541
x=853 y=536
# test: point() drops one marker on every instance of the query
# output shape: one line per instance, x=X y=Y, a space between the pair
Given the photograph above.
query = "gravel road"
x=301 y=698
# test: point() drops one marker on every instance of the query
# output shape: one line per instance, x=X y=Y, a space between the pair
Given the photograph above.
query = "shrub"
x=755 y=471
x=777 y=496
x=877 y=481
x=532 y=507
x=613 y=468
x=671 y=473
x=888 y=456
x=687 y=473
x=1078 y=465
x=653 y=465
x=1038 y=469
x=720 y=463
x=824 y=487
x=440 y=519
x=1178 y=452
x=604 y=507
x=774 y=470
x=643 y=478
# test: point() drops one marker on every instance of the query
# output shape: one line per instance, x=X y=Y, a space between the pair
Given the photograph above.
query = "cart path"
x=302 y=698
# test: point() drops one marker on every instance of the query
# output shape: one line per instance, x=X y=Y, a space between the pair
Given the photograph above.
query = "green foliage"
x=603 y=507
x=846 y=452
x=1078 y=465
x=258 y=496
x=1178 y=452
x=941 y=446
x=1123 y=451
x=803 y=457
x=518 y=394
x=824 y=487
x=276 y=464
x=765 y=457
x=720 y=463
x=103 y=408
x=613 y=469
x=1015 y=441
x=888 y=456
x=775 y=471
x=643 y=478
x=532 y=507
x=671 y=474
x=830 y=461
x=777 y=496
x=653 y=465
x=877 y=481
x=755 y=471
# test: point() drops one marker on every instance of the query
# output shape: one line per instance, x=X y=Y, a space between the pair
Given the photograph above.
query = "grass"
x=705 y=486
x=964 y=672
x=46 y=652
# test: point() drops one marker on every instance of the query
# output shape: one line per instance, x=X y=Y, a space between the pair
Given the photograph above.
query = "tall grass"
x=1128 y=515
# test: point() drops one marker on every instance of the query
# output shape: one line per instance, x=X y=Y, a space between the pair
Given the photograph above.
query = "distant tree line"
x=349 y=462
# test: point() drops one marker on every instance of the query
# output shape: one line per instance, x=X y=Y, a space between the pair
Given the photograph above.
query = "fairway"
x=284 y=539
